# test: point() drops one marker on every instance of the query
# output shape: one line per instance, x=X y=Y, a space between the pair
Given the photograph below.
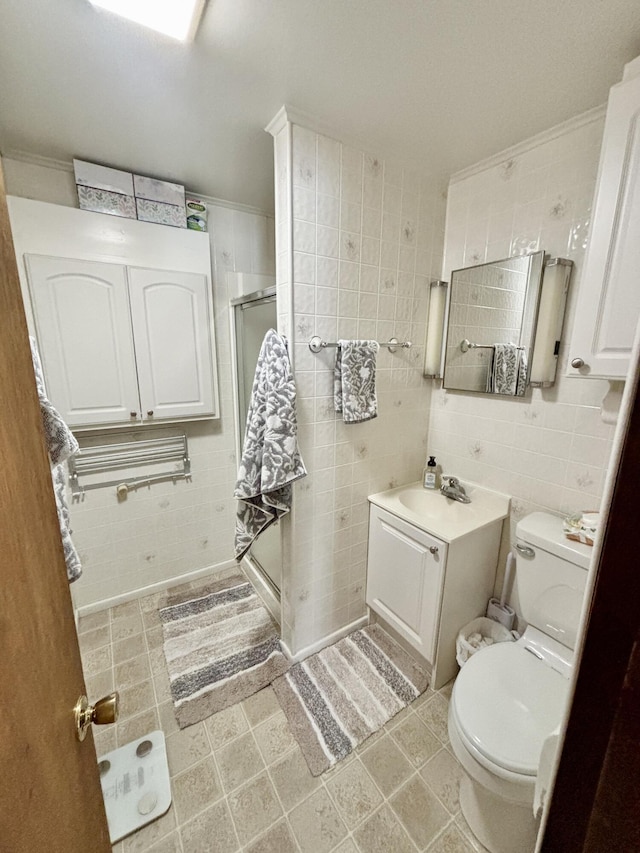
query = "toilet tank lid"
x=544 y=531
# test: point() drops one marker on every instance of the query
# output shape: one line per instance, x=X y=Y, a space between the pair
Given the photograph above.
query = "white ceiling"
x=439 y=84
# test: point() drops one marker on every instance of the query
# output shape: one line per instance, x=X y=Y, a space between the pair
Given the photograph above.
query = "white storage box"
x=155 y=190
x=103 y=177
x=478 y=634
x=104 y=190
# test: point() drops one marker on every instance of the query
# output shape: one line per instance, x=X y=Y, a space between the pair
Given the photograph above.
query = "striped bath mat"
x=340 y=696
x=220 y=645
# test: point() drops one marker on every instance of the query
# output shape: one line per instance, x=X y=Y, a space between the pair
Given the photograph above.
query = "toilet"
x=510 y=696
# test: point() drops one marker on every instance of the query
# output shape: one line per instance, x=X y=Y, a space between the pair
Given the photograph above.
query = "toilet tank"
x=550 y=579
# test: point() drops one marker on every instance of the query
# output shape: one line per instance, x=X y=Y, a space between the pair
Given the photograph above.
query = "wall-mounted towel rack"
x=111 y=457
x=316 y=344
x=466 y=345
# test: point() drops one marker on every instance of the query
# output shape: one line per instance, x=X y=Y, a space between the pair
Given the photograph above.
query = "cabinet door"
x=609 y=306
x=172 y=330
x=84 y=334
x=404 y=579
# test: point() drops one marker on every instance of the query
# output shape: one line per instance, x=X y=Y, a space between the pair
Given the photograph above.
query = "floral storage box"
x=160 y=201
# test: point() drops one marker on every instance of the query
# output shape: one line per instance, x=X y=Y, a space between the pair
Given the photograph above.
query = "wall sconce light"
x=435 y=328
x=551 y=308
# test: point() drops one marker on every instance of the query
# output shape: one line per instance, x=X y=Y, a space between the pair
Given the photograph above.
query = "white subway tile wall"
x=169 y=530
x=550 y=450
x=367 y=239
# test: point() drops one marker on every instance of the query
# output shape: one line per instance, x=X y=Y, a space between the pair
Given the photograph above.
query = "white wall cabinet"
x=124 y=337
x=171 y=331
x=425 y=588
x=609 y=306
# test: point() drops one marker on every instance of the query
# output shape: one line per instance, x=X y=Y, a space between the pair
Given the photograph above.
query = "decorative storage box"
x=160 y=201
x=104 y=190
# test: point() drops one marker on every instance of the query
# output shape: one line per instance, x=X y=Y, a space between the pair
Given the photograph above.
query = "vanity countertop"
x=443 y=517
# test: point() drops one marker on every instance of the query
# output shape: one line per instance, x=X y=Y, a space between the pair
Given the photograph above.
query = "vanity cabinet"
x=404 y=578
x=609 y=306
x=431 y=567
x=123 y=315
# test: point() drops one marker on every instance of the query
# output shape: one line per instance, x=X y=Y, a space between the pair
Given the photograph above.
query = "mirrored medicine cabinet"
x=490 y=328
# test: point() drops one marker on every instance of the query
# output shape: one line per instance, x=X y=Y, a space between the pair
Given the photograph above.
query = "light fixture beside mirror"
x=501 y=324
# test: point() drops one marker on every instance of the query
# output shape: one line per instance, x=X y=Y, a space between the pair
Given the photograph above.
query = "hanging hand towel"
x=354 y=381
x=521 y=385
x=271 y=461
x=504 y=376
x=61 y=445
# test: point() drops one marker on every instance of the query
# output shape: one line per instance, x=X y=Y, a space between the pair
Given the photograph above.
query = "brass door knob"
x=105 y=711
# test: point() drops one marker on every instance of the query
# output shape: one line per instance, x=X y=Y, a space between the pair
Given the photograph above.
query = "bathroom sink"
x=443 y=517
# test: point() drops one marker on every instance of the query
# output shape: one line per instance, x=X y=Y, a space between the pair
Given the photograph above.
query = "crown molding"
x=67 y=166
x=520 y=148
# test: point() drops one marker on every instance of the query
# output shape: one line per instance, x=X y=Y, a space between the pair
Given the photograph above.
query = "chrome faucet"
x=452 y=488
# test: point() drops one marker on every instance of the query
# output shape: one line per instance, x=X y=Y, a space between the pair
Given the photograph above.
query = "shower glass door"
x=254 y=315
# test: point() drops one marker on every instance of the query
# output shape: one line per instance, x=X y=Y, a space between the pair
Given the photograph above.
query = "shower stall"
x=252 y=315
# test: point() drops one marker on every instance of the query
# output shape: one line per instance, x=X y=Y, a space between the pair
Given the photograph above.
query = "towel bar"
x=316 y=344
x=111 y=457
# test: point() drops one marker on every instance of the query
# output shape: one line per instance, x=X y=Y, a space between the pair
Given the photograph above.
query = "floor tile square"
x=316 y=824
x=292 y=779
x=387 y=765
x=254 y=808
x=239 y=761
x=420 y=811
x=354 y=793
x=443 y=774
x=383 y=833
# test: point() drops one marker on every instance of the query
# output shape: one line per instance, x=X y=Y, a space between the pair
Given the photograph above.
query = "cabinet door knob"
x=150 y=412
x=577 y=363
x=433 y=549
x=133 y=414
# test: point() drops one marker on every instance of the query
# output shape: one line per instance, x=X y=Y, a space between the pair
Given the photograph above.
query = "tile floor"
x=239 y=780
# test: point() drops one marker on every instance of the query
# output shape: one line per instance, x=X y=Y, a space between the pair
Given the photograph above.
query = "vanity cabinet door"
x=609 y=306
x=84 y=334
x=170 y=313
x=404 y=579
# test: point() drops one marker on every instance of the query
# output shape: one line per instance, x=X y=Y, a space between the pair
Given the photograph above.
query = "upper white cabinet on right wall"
x=609 y=306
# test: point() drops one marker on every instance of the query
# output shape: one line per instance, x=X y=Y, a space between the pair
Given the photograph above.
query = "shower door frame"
x=269 y=593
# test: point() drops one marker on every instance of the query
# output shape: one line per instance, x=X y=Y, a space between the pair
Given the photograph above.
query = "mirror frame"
x=529 y=314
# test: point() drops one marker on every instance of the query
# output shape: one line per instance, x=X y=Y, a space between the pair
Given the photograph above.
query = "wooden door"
x=171 y=319
x=84 y=334
x=50 y=796
x=609 y=306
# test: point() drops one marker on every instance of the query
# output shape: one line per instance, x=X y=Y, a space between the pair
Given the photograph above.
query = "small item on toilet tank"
x=122 y=491
x=429 y=474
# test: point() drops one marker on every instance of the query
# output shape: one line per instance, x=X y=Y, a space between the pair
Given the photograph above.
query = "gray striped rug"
x=340 y=696
x=220 y=645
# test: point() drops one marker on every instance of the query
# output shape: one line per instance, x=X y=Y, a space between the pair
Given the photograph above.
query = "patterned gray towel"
x=509 y=370
x=354 y=380
x=271 y=461
x=61 y=444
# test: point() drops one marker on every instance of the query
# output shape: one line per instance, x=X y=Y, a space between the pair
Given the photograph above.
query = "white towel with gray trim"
x=354 y=381
x=61 y=445
x=271 y=460
x=508 y=372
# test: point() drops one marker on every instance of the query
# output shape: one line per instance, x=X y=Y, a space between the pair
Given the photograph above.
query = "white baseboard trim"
x=141 y=592
x=269 y=599
x=325 y=641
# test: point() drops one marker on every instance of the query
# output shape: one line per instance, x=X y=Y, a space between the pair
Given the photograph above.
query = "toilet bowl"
x=505 y=702
x=510 y=696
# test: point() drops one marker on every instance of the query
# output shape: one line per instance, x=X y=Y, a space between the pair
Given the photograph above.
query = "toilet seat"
x=505 y=702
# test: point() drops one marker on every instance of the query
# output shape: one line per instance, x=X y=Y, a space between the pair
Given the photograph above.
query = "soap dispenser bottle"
x=429 y=481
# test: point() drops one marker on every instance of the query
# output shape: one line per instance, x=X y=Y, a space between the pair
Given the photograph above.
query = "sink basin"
x=443 y=517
